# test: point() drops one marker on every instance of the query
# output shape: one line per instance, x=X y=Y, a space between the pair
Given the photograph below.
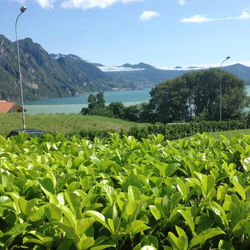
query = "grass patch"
x=230 y=133
x=70 y=123
x=64 y=123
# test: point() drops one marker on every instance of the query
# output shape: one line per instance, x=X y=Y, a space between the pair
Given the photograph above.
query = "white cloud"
x=46 y=4
x=181 y=2
x=244 y=15
x=203 y=66
x=196 y=19
x=204 y=19
x=146 y=15
x=78 y=4
x=87 y=4
x=118 y=69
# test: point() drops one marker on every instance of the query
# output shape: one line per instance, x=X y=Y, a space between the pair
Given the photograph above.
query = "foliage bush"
x=180 y=130
x=120 y=193
x=170 y=131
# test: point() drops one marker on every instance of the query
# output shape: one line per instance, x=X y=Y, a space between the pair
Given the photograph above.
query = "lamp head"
x=23 y=8
x=228 y=57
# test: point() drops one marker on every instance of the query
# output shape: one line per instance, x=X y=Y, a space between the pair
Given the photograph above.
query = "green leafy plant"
x=122 y=193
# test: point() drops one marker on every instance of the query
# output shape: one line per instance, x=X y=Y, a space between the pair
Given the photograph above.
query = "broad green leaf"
x=187 y=215
x=69 y=216
x=78 y=161
x=98 y=217
x=4 y=179
x=110 y=193
x=207 y=183
x=28 y=240
x=155 y=212
x=239 y=189
x=68 y=230
x=86 y=243
x=27 y=207
x=53 y=213
x=246 y=164
x=131 y=210
x=137 y=226
x=239 y=228
x=47 y=184
x=177 y=243
x=60 y=198
x=221 y=192
x=17 y=229
x=247 y=227
x=134 y=193
x=180 y=231
x=219 y=211
x=182 y=188
x=83 y=225
x=201 y=238
x=73 y=200
x=37 y=215
x=5 y=200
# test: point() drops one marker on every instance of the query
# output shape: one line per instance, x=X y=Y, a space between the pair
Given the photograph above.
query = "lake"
x=75 y=104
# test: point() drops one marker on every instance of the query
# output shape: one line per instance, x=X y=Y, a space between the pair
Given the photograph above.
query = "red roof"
x=6 y=106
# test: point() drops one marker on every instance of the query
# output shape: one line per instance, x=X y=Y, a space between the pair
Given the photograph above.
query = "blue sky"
x=114 y=32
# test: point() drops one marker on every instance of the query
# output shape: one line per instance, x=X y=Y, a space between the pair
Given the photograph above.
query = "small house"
x=8 y=107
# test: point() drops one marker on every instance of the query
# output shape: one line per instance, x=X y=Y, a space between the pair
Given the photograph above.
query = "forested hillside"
x=46 y=75
x=49 y=75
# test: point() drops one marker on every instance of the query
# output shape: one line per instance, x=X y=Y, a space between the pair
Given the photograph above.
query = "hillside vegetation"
x=46 y=75
x=74 y=123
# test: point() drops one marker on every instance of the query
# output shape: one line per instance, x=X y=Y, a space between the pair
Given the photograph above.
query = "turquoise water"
x=75 y=104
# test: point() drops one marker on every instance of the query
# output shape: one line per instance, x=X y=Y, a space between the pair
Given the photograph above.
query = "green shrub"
x=122 y=193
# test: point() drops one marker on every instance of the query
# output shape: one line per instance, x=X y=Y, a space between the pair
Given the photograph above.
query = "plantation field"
x=229 y=134
x=121 y=193
x=64 y=123
x=73 y=123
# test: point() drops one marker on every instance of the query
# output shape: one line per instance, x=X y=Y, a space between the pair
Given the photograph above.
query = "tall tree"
x=100 y=101
x=197 y=94
x=92 y=102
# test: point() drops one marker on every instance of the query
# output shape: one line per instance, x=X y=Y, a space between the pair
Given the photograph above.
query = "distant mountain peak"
x=71 y=56
x=98 y=64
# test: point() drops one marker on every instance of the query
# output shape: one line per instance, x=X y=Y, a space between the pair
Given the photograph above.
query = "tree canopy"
x=197 y=95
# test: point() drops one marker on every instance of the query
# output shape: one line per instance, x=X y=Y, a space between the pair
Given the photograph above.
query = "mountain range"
x=56 y=75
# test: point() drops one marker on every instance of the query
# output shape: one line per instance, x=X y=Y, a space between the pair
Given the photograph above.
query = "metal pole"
x=19 y=67
x=221 y=88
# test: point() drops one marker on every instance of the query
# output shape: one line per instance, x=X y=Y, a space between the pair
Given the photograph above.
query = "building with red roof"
x=8 y=107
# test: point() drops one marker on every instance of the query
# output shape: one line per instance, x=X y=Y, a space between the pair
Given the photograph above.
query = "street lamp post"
x=22 y=9
x=228 y=57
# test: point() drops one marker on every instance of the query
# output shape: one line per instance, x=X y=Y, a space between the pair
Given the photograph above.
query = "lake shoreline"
x=74 y=104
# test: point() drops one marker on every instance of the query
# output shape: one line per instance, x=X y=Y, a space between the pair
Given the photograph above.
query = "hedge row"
x=176 y=131
x=170 y=131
